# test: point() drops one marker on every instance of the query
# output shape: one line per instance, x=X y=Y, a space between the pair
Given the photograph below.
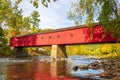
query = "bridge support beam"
x=58 y=51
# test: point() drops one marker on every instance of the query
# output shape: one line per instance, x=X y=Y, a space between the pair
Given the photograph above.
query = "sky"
x=55 y=16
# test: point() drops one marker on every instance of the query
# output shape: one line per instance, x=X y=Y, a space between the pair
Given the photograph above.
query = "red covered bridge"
x=61 y=37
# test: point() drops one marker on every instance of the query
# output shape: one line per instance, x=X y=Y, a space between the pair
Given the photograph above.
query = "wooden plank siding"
x=74 y=35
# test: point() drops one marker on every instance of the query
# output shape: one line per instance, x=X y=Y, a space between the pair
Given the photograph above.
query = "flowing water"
x=39 y=68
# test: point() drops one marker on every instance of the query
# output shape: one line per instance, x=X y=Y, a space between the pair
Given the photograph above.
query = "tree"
x=11 y=16
x=36 y=2
x=34 y=20
x=12 y=21
x=5 y=12
x=105 y=12
x=20 y=25
x=25 y=25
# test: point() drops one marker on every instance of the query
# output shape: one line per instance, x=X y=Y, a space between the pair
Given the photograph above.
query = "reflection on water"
x=19 y=71
x=58 y=69
x=12 y=69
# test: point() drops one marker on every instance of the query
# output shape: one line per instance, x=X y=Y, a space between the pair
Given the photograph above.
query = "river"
x=39 y=68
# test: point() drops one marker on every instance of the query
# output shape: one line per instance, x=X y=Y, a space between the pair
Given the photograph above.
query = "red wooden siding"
x=68 y=36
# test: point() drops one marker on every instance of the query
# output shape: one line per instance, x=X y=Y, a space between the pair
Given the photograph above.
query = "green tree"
x=105 y=12
x=14 y=22
x=5 y=13
x=36 y=2
x=4 y=47
x=34 y=20
x=25 y=25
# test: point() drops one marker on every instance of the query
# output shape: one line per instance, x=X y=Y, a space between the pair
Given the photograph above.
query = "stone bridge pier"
x=58 y=51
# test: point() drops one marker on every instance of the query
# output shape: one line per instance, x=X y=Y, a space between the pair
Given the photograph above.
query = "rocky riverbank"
x=111 y=68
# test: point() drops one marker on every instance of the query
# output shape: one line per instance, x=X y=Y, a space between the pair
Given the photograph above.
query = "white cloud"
x=55 y=16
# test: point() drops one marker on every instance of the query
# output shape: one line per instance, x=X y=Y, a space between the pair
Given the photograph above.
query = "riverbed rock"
x=83 y=67
x=75 y=68
x=95 y=65
x=111 y=68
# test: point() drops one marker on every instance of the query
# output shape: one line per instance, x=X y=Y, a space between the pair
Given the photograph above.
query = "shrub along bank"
x=111 y=50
